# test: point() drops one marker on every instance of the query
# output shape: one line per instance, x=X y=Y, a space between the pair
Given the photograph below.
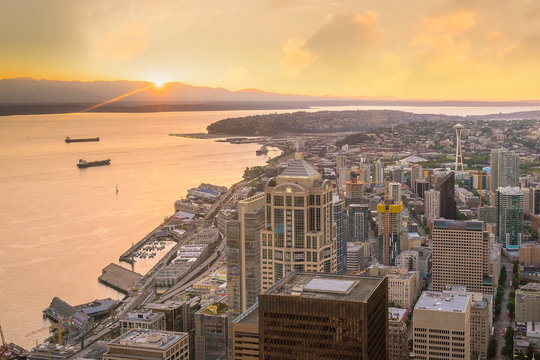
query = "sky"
x=416 y=49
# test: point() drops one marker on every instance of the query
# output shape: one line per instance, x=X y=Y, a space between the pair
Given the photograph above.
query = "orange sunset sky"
x=436 y=49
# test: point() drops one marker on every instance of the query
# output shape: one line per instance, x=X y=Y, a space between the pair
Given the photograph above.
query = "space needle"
x=459 y=156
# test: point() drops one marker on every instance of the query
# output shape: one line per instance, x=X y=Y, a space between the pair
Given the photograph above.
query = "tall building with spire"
x=459 y=157
x=299 y=233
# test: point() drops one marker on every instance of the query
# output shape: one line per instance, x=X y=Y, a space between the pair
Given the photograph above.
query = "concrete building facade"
x=150 y=345
x=461 y=256
x=442 y=326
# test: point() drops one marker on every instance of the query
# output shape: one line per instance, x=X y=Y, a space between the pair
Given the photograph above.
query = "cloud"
x=125 y=43
x=296 y=57
x=455 y=23
x=493 y=35
x=345 y=38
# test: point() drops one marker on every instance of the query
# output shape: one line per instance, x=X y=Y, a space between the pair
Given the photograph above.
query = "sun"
x=159 y=83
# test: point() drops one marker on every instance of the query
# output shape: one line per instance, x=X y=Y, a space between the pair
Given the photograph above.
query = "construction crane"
x=57 y=325
x=4 y=349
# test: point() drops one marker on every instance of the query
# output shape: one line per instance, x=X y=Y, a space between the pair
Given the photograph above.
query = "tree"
x=511 y=306
x=492 y=348
x=509 y=335
x=515 y=282
x=515 y=268
x=530 y=351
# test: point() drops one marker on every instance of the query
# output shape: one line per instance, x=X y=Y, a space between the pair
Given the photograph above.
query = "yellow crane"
x=4 y=349
x=61 y=322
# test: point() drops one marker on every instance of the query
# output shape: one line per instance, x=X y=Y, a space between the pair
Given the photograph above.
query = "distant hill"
x=338 y=121
x=30 y=96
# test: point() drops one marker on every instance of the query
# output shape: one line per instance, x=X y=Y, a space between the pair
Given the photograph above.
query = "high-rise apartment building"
x=340 y=219
x=390 y=230
x=394 y=191
x=504 y=166
x=441 y=323
x=324 y=316
x=487 y=214
x=432 y=204
x=481 y=323
x=244 y=254
x=461 y=256
x=447 y=204
x=510 y=217
x=377 y=173
x=299 y=233
x=354 y=190
x=358 y=222
x=534 y=201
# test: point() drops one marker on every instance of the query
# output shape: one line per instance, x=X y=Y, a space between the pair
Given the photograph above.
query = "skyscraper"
x=358 y=222
x=510 y=217
x=340 y=218
x=377 y=173
x=321 y=316
x=461 y=256
x=394 y=191
x=448 y=204
x=299 y=232
x=389 y=231
x=417 y=173
x=341 y=170
x=504 y=168
x=432 y=204
x=244 y=254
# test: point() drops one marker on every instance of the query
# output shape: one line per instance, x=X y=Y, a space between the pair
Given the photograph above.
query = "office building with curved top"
x=299 y=233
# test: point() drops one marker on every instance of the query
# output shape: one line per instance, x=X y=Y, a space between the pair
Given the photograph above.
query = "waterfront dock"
x=119 y=278
x=127 y=256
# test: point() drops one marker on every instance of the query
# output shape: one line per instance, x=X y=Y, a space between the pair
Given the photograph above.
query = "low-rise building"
x=176 y=314
x=529 y=253
x=143 y=319
x=402 y=287
x=149 y=345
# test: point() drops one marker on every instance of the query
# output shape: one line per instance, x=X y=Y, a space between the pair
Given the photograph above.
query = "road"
x=503 y=321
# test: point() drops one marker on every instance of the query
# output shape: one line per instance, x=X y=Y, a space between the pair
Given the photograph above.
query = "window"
x=278 y=200
x=299 y=201
x=289 y=200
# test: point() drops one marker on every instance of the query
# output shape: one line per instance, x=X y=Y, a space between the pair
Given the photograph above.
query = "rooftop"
x=396 y=314
x=299 y=168
x=326 y=286
x=250 y=316
x=457 y=225
x=510 y=190
x=447 y=301
x=148 y=338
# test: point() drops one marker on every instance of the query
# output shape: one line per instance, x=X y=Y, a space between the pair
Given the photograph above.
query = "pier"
x=127 y=256
x=118 y=278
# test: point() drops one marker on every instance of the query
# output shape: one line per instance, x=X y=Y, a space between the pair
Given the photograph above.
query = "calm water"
x=59 y=226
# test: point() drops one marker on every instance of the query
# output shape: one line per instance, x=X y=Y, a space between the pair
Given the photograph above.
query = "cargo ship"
x=84 y=164
x=70 y=140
